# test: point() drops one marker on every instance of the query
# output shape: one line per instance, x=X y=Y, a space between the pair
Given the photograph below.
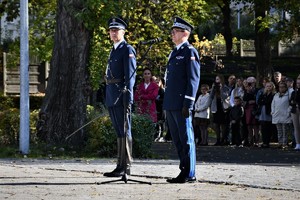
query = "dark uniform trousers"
x=182 y=81
x=123 y=130
x=183 y=137
x=120 y=73
x=117 y=115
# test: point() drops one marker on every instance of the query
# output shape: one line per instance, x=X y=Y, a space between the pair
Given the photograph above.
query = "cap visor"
x=117 y=27
x=178 y=27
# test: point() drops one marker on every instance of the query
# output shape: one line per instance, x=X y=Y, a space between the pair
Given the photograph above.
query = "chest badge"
x=179 y=57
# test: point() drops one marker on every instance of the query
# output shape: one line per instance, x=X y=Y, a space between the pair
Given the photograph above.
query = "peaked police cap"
x=117 y=22
x=182 y=24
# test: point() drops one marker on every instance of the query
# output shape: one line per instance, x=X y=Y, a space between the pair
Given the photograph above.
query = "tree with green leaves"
x=224 y=7
x=81 y=46
x=147 y=20
x=282 y=28
x=41 y=26
x=69 y=86
x=288 y=19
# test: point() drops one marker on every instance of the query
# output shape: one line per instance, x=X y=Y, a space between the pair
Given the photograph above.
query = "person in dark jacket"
x=264 y=113
x=236 y=116
x=160 y=127
x=295 y=112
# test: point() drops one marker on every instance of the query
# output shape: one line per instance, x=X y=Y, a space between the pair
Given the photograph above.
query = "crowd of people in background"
x=240 y=113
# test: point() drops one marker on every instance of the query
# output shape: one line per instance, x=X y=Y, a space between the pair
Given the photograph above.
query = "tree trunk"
x=64 y=107
x=226 y=26
x=262 y=42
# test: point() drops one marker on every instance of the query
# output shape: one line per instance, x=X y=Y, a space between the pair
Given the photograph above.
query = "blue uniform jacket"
x=120 y=71
x=182 y=78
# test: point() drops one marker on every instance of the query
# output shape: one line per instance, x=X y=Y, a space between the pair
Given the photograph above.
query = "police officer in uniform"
x=120 y=79
x=182 y=81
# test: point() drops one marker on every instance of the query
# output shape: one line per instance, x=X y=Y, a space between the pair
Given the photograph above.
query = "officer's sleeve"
x=130 y=65
x=193 y=77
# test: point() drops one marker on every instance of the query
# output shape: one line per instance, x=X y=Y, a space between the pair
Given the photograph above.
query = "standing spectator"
x=238 y=91
x=290 y=84
x=195 y=121
x=220 y=97
x=236 y=115
x=262 y=89
x=244 y=136
x=277 y=76
x=145 y=96
x=283 y=78
x=264 y=116
x=281 y=114
x=273 y=129
x=159 y=110
x=202 y=111
x=249 y=105
x=295 y=103
x=231 y=82
x=231 y=86
x=182 y=81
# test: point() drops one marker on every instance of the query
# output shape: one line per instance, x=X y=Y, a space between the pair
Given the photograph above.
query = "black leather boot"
x=124 y=158
x=119 y=170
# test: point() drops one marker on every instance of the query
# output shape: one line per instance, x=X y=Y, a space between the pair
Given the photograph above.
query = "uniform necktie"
x=108 y=63
x=174 y=51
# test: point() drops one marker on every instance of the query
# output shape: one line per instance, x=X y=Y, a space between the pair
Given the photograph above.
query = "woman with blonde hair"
x=201 y=116
x=265 y=118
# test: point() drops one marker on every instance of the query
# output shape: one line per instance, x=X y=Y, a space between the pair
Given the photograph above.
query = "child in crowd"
x=236 y=115
x=202 y=110
x=281 y=114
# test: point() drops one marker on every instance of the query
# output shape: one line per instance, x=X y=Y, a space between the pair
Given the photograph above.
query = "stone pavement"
x=81 y=179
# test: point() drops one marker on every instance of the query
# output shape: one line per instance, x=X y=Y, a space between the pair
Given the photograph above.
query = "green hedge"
x=10 y=126
x=102 y=137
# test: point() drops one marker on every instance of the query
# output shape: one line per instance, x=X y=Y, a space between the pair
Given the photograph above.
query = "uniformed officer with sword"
x=120 y=79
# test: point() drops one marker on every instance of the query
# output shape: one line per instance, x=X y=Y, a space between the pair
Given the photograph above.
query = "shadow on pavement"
x=44 y=183
x=238 y=155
